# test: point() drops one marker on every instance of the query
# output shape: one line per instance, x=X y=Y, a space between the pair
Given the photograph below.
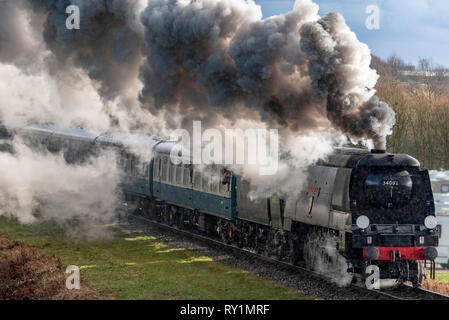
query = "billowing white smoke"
x=41 y=184
x=209 y=60
x=320 y=252
x=296 y=154
x=21 y=34
x=41 y=98
x=71 y=80
x=94 y=67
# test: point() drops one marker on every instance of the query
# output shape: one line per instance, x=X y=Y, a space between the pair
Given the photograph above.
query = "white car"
x=440 y=189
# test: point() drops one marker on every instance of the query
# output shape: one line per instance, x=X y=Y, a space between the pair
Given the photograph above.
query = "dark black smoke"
x=341 y=77
x=296 y=70
x=220 y=54
x=107 y=45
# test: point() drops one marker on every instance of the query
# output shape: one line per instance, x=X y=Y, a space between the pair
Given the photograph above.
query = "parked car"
x=440 y=189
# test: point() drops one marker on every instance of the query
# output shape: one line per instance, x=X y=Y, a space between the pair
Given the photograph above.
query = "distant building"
x=421 y=74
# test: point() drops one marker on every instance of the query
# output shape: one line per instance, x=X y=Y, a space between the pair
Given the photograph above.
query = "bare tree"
x=395 y=65
x=433 y=77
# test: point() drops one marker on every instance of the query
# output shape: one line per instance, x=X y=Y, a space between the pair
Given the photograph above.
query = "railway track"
x=401 y=292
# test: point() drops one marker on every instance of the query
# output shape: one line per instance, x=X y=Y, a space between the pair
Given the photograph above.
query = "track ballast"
x=401 y=292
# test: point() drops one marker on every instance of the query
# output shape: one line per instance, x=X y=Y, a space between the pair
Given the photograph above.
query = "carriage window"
x=120 y=161
x=206 y=180
x=179 y=170
x=244 y=189
x=225 y=181
x=197 y=180
x=224 y=188
x=125 y=163
x=164 y=169
x=445 y=188
x=171 y=173
x=186 y=177
x=135 y=166
x=215 y=179
x=130 y=165
x=141 y=168
x=145 y=170
x=156 y=167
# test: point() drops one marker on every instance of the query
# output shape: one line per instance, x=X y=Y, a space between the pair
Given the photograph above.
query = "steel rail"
x=401 y=292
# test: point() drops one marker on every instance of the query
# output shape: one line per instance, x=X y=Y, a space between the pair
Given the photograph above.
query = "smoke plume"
x=158 y=65
x=339 y=67
x=107 y=45
x=203 y=60
x=21 y=30
x=297 y=71
x=41 y=184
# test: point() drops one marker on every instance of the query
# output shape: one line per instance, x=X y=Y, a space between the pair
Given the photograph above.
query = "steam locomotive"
x=377 y=207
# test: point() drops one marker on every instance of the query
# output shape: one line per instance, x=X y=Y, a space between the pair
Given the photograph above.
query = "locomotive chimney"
x=378 y=151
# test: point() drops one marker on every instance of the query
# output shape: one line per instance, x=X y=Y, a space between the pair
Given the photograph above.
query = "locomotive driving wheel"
x=171 y=216
x=282 y=243
x=180 y=219
x=224 y=231
x=269 y=244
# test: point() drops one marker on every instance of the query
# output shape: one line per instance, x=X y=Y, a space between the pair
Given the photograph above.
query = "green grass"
x=132 y=265
x=442 y=277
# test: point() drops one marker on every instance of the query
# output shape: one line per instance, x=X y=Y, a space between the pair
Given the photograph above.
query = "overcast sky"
x=409 y=28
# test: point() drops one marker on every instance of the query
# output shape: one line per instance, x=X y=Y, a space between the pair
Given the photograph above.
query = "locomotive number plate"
x=390 y=183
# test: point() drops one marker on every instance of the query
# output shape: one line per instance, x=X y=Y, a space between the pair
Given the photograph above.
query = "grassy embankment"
x=132 y=265
x=440 y=284
x=442 y=277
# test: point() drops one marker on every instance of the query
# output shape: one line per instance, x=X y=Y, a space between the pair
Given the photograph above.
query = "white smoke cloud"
x=320 y=252
x=21 y=42
x=41 y=98
x=42 y=185
x=297 y=153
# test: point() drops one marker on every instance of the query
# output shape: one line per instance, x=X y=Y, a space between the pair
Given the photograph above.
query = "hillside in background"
x=420 y=97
